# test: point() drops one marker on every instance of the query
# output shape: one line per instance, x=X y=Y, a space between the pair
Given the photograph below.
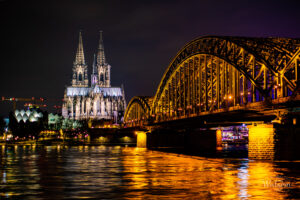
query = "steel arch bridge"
x=138 y=110
x=217 y=74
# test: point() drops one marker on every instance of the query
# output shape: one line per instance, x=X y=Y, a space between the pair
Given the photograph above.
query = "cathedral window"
x=102 y=77
x=80 y=77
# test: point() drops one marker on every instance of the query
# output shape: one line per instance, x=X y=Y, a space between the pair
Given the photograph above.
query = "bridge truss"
x=217 y=74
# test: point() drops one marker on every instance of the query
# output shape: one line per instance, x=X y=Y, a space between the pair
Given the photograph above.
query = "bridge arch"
x=209 y=71
x=138 y=110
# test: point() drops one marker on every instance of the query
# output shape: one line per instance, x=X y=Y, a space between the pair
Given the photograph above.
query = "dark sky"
x=38 y=39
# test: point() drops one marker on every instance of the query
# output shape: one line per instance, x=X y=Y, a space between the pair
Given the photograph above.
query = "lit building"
x=95 y=101
x=31 y=115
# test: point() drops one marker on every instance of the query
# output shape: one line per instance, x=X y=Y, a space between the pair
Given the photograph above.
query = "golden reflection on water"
x=56 y=172
x=179 y=176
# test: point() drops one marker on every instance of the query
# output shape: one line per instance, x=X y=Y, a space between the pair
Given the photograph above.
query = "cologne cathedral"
x=97 y=100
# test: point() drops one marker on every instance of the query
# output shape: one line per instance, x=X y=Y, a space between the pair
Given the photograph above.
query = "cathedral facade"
x=97 y=100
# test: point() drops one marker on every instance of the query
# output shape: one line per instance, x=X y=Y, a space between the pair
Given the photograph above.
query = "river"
x=114 y=172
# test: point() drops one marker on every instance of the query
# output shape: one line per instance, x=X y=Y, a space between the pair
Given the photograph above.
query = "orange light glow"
x=141 y=139
x=219 y=139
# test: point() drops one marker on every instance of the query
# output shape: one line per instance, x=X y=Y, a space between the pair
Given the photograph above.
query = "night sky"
x=38 y=39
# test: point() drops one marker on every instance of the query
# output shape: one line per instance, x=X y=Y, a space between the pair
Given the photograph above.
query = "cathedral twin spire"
x=79 y=59
x=101 y=56
x=100 y=69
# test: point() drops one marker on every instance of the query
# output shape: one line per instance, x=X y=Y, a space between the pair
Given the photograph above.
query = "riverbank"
x=65 y=143
x=224 y=153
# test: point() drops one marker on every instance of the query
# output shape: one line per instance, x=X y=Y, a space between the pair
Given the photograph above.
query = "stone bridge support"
x=266 y=141
x=261 y=142
x=274 y=142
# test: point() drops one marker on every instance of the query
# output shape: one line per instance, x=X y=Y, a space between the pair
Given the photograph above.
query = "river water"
x=103 y=172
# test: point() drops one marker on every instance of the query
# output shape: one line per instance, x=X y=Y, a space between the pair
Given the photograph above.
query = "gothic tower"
x=94 y=76
x=80 y=76
x=98 y=100
x=102 y=66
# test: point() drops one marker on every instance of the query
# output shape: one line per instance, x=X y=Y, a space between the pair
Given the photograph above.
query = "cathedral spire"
x=80 y=75
x=79 y=59
x=101 y=56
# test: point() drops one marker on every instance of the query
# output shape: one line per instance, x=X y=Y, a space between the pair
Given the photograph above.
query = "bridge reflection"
x=179 y=176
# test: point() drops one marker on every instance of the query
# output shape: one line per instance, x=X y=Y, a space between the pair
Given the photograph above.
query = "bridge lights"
x=277 y=86
x=189 y=107
x=230 y=97
x=242 y=94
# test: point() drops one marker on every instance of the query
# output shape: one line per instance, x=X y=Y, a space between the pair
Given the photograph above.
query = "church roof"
x=78 y=91
x=108 y=91
x=85 y=91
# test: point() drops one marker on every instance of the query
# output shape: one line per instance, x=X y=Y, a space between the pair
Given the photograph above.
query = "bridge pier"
x=141 y=140
x=261 y=142
x=274 y=142
x=266 y=141
x=219 y=139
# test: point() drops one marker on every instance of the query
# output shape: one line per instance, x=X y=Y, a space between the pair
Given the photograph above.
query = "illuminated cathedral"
x=97 y=100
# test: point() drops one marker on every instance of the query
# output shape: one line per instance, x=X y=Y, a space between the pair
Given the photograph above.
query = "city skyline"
x=150 y=99
x=141 y=38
